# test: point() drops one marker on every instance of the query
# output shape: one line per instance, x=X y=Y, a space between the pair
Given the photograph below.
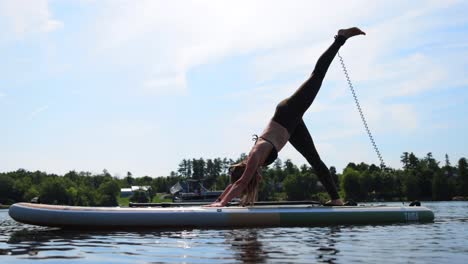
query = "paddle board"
x=206 y=217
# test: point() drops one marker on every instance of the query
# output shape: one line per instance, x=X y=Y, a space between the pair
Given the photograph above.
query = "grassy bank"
x=158 y=198
x=161 y=198
x=4 y=206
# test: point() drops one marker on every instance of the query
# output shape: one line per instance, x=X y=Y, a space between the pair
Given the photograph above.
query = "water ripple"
x=443 y=241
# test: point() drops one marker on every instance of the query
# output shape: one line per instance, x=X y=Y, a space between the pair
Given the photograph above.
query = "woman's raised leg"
x=305 y=95
x=290 y=111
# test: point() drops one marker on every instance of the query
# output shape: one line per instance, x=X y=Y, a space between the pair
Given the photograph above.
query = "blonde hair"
x=249 y=195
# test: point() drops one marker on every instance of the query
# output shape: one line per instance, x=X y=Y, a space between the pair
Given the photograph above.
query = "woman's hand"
x=350 y=32
x=215 y=204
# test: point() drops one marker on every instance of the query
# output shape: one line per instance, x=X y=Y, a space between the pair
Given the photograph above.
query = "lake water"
x=444 y=241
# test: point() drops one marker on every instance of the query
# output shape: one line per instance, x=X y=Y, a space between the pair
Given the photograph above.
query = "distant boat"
x=193 y=191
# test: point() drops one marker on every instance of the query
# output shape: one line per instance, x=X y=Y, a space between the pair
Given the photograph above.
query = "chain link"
x=382 y=163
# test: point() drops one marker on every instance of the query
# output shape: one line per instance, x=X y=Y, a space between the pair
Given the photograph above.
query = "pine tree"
x=463 y=177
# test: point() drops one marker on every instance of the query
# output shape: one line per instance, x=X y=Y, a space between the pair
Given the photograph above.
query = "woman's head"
x=249 y=195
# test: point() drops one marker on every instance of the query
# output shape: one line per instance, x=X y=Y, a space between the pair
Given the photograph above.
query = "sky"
x=140 y=85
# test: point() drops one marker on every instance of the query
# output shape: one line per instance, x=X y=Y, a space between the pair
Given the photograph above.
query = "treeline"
x=74 y=188
x=419 y=179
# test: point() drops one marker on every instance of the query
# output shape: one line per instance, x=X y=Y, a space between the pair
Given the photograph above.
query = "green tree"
x=390 y=186
x=276 y=172
x=107 y=200
x=290 y=168
x=266 y=189
x=399 y=181
x=108 y=192
x=72 y=176
x=31 y=193
x=185 y=168
x=199 y=169
x=413 y=161
x=300 y=186
x=129 y=179
x=72 y=194
x=366 y=182
x=463 y=177
x=362 y=167
x=53 y=191
x=144 y=181
x=20 y=187
x=447 y=161
x=213 y=170
x=440 y=188
x=411 y=186
x=405 y=160
x=222 y=182
x=111 y=188
x=86 y=196
x=350 y=184
x=139 y=196
x=7 y=194
x=378 y=185
x=352 y=165
x=432 y=164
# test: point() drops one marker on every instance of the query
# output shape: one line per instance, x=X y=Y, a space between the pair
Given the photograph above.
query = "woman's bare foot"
x=350 y=32
x=335 y=202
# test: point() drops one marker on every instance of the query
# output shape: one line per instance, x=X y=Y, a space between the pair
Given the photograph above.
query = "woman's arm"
x=224 y=193
x=236 y=188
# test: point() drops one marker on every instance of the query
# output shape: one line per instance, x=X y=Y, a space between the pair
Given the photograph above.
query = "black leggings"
x=289 y=114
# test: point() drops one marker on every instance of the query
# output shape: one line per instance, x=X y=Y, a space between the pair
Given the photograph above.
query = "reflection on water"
x=245 y=245
x=248 y=244
x=442 y=241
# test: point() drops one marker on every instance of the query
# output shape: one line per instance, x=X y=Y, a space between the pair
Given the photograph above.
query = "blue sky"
x=140 y=85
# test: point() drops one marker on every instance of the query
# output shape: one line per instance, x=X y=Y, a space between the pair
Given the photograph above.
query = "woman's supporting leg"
x=302 y=141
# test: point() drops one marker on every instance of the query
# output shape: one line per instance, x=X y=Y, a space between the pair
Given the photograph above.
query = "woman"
x=287 y=125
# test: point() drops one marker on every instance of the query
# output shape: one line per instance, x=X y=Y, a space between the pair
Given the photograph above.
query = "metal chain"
x=382 y=163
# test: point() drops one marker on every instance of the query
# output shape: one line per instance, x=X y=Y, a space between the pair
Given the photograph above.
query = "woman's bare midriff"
x=276 y=133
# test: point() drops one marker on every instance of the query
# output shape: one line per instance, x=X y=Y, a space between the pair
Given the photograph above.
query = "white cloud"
x=403 y=117
x=38 y=111
x=23 y=17
x=160 y=42
x=183 y=35
x=51 y=25
x=169 y=84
